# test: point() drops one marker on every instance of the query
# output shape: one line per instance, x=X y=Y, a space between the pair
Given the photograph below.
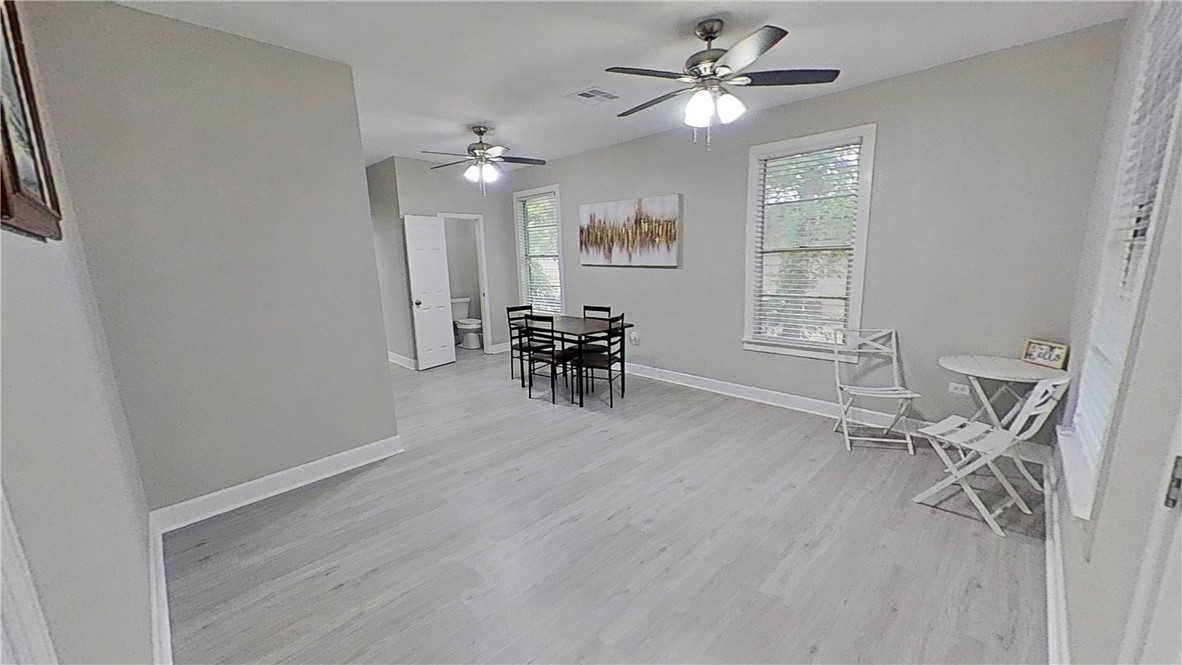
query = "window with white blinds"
x=1133 y=225
x=808 y=209
x=539 y=268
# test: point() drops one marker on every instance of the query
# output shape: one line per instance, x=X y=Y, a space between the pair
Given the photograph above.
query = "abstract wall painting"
x=641 y=233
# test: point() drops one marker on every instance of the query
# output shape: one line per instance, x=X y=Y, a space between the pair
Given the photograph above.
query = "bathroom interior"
x=464 y=274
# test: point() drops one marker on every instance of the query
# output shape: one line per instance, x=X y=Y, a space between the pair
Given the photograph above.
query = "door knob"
x=418 y=302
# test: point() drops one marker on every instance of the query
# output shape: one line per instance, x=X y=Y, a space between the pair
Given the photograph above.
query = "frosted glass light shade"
x=489 y=173
x=730 y=108
x=472 y=173
x=700 y=109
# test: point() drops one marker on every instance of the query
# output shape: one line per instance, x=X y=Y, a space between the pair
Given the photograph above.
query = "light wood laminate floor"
x=681 y=526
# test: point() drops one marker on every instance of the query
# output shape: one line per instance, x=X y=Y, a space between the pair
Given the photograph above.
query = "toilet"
x=467 y=328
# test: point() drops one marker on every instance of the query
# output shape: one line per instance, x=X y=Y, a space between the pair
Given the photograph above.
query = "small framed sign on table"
x=1047 y=354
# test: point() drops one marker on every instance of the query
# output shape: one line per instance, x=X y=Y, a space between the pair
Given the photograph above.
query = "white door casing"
x=430 y=291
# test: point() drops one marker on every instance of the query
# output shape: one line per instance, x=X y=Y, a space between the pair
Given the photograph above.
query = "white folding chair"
x=883 y=346
x=980 y=445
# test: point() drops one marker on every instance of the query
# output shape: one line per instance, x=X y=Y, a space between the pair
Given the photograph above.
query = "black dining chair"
x=611 y=362
x=540 y=351
x=518 y=340
x=592 y=343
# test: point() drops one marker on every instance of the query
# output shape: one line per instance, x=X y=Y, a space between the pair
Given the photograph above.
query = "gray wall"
x=69 y=473
x=225 y=224
x=462 y=265
x=981 y=183
x=1101 y=556
x=401 y=186
x=390 y=248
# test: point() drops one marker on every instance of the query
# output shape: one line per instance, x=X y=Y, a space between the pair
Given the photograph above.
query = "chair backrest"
x=878 y=343
x=516 y=315
x=1037 y=407
x=615 y=337
x=597 y=312
x=539 y=327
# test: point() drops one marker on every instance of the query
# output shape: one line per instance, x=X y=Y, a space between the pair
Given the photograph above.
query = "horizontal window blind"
x=541 y=279
x=1132 y=224
x=805 y=219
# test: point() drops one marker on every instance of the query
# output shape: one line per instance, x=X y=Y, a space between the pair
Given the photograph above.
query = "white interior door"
x=430 y=292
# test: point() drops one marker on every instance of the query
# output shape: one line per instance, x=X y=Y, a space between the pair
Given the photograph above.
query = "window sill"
x=1078 y=473
x=816 y=352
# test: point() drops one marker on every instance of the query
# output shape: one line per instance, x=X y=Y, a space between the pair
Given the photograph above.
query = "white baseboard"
x=818 y=407
x=503 y=347
x=1058 y=651
x=163 y=520
x=402 y=360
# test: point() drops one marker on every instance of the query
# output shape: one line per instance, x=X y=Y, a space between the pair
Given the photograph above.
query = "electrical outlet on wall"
x=958 y=388
x=634 y=337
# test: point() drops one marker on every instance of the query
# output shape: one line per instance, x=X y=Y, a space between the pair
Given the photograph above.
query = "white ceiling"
x=423 y=71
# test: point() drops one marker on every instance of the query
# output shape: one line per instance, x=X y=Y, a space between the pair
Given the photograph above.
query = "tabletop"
x=998 y=368
x=577 y=326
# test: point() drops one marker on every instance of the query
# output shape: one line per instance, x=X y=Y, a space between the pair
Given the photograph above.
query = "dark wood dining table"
x=577 y=331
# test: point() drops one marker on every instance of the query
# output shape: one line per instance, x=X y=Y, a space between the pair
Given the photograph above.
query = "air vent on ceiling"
x=593 y=96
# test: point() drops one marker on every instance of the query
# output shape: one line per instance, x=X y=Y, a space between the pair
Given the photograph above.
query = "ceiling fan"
x=708 y=70
x=483 y=159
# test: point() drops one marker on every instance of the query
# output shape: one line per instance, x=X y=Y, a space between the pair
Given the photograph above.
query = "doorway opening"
x=467 y=270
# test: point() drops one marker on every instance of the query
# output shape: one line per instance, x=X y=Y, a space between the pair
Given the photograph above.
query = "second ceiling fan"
x=709 y=69
x=483 y=159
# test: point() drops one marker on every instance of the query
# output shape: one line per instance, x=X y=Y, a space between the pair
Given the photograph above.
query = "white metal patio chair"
x=981 y=445
x=883 y=346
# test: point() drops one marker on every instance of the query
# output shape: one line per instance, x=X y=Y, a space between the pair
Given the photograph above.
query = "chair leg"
x=1026 y=474
x=611 y=393
x=1009 y=488
x=553 y=381
x=957 y=475
x=845 y=428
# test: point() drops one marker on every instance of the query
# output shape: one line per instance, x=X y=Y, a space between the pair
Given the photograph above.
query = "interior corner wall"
x=225 y=225
x=982 y=172
x=390 y=248
x=462 y=264
x=402 y=186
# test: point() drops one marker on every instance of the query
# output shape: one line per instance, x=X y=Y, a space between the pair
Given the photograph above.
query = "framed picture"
x=633 y=232
x=30 y=203
x=1047 y=354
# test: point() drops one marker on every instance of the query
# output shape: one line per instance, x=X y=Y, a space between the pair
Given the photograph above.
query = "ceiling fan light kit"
x=711 y=67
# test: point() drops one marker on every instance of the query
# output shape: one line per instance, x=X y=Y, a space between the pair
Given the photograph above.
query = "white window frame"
x=864 y=133
x=518 y=197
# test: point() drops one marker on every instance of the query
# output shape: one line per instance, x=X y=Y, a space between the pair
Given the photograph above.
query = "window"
x=538 y=248
x=1133 y=227
x=807 y=213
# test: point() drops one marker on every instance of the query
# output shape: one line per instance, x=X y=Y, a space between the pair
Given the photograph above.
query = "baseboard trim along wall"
x=169 y=518
x=402 y=360
x=1058 y=652
x=817 y=407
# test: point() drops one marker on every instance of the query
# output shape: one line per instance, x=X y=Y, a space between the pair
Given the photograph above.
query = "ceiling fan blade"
x=451 y=154
x=655 y=73
x=442 y=166
x=522 y=160
x=749 y=48
x=787 y=77
x=653 y=102
x=496 y=150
